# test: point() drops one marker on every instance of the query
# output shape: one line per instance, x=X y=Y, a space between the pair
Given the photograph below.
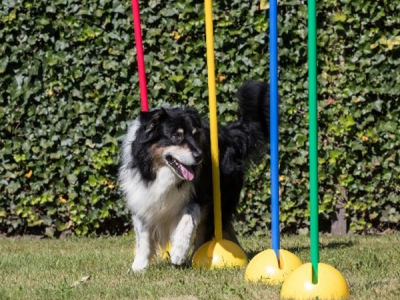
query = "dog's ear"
x=150 y=122
x=194 y=116
x=151 y=119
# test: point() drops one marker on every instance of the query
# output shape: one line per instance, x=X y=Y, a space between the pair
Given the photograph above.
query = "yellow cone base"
x=163 y=253
x=219 y=254
x=331 y=284
x=264 y=267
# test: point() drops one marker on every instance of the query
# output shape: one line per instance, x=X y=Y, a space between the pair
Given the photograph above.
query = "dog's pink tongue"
x=186 y=173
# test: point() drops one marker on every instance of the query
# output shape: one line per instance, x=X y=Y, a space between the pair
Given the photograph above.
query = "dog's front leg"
x=182 y=236
x=144 y=245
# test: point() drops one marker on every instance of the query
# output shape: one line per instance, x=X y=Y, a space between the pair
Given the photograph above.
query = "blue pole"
x=273 y=68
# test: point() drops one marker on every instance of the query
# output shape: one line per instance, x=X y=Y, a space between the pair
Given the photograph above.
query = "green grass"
x=47 y=269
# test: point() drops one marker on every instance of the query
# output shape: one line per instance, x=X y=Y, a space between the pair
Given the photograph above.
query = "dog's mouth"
x=183 y=171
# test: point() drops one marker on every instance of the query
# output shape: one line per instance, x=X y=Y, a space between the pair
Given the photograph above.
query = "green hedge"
x=69 y=87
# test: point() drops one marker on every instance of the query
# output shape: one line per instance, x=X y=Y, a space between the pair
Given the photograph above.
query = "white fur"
x=183 y=235
x=184 y=155
x=160 y=209
x=145 y=247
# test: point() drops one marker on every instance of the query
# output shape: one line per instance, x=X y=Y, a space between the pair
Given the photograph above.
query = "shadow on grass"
x=325 y=245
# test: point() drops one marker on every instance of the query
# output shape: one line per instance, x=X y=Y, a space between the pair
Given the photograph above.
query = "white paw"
x=139 y=265
x=178 y=258
x=181 y=241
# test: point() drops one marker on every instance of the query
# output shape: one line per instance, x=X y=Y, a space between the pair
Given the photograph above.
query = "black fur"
x=240 y=143
x=157 y=128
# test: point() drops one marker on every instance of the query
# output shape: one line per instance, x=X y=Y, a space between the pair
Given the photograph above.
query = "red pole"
x=140 y=56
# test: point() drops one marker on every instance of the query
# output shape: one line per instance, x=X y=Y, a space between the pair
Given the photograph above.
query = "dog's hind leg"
x=229 y=233
x=182 y=236
x=145 y=246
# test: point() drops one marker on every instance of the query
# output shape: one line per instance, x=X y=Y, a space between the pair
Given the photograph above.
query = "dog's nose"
x=198 y=156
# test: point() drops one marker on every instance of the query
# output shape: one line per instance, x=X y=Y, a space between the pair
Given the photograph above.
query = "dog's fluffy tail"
x=254 y=116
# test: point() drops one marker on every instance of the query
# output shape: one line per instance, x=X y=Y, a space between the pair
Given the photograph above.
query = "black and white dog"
x=165 y=173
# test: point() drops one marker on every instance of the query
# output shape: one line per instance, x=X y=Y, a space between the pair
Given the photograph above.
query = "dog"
x=166 y=176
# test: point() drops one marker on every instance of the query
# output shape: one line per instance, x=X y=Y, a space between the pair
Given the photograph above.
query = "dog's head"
x=171 y=137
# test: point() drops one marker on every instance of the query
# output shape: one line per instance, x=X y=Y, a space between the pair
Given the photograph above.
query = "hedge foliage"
x=69 y=87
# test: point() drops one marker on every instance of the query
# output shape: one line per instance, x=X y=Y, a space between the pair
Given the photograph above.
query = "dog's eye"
x=178 y=135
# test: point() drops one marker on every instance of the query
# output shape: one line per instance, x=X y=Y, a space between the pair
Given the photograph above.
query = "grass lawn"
x=59 y=269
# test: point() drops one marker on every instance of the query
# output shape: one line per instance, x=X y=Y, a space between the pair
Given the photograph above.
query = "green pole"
x=313 y=136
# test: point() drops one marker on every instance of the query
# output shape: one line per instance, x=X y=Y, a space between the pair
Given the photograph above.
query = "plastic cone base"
x=331 y=284
x=219 y=254
x=264 y=267
x=164 y=252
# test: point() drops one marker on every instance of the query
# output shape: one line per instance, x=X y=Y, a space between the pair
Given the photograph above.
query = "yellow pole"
x=212 y=99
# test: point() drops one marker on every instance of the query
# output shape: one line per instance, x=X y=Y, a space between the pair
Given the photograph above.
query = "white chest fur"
x=161 y=199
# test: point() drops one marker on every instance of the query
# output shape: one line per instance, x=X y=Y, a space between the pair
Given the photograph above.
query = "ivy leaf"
x=3 y=64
